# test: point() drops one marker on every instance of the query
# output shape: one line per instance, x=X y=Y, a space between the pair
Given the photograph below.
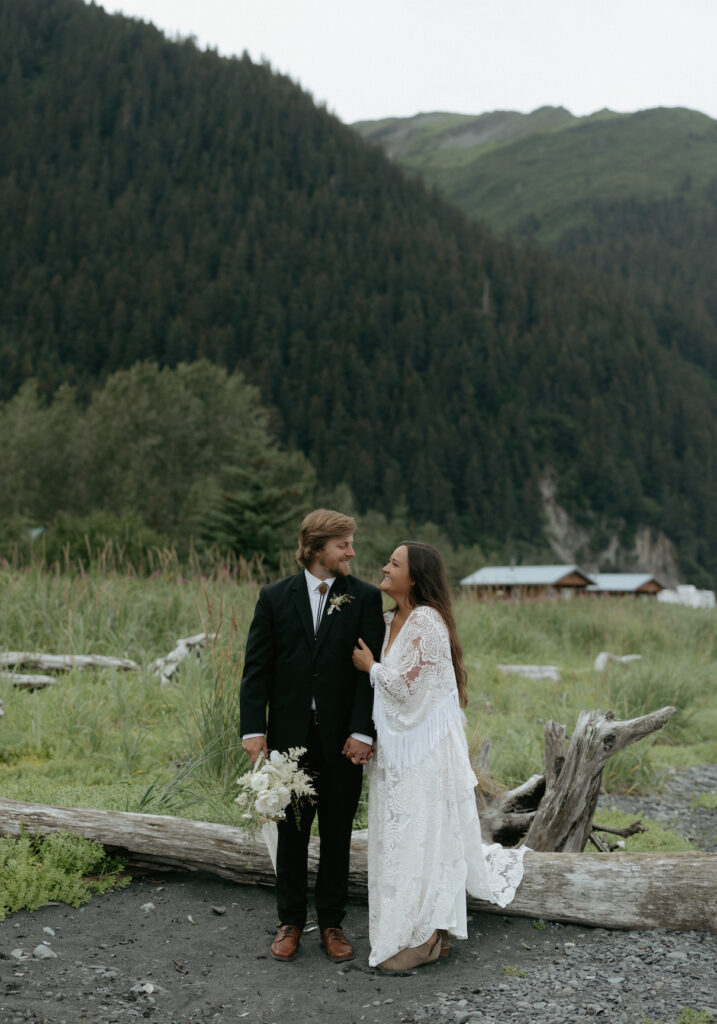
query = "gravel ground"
x=194 y=948
x=672 y=806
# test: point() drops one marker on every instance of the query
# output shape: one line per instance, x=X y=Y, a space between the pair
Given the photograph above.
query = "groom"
x=298 y=664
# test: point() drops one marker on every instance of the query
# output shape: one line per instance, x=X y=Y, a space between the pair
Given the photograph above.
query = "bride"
x=424 y=839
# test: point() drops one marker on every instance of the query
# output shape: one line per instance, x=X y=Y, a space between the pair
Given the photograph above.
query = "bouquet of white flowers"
x=272 y=786
x=267 y=791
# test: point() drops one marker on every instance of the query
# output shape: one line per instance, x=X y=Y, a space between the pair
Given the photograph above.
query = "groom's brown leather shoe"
x=286 y=943
x=337 y=946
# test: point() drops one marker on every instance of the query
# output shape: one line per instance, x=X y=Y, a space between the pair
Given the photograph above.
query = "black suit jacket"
x=285 y=666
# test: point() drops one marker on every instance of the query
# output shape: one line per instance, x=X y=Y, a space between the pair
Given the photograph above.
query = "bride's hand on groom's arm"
x=362 y=657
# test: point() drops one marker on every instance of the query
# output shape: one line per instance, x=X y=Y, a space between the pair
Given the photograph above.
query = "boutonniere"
x=336 y=602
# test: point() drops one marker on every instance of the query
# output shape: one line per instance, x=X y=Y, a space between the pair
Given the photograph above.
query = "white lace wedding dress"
x=424 y=838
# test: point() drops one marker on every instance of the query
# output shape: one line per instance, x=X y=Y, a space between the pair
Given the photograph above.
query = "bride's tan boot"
x=414 y=956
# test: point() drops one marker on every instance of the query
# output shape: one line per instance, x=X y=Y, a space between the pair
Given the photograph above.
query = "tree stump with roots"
x=553 y=812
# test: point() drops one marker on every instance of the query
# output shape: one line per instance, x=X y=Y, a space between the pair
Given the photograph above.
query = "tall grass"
x=678 y=667
x=102 y=738
x=209 y=727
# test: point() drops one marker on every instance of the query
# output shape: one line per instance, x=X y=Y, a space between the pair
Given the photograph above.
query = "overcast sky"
x=380 y=58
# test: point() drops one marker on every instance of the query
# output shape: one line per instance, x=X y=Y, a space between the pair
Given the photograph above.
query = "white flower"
x=268 y=804
x=277 y=759
x=336 y=602
x=259 y=782
x=283 y=795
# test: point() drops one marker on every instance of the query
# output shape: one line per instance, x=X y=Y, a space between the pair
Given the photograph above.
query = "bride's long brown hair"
x=431 y=587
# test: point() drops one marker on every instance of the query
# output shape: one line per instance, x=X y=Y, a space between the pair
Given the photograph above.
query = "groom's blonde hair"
x=319 y=526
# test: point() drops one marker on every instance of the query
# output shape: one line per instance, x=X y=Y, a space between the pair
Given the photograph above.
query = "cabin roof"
x=623 y=582
x=522 y=575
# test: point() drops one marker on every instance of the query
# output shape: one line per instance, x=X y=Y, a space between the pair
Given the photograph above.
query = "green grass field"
x=118 y=740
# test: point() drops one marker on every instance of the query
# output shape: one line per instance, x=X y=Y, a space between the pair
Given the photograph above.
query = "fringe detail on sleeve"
x=407 y=748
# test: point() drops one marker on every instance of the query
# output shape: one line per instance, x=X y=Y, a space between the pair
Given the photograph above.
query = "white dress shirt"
x=318 y=602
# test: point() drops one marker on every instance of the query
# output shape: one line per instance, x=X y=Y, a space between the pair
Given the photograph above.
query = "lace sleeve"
x=424 y=645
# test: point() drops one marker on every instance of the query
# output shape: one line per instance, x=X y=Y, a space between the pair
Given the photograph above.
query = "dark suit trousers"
x=338 y=788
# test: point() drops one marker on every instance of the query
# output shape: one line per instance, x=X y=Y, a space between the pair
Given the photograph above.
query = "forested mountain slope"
x=633 y=195
x=664 y=253
x=162 y=203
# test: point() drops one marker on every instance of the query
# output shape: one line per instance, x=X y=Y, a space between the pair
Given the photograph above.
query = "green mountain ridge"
x=548 y=168
x=161 y=203
x=427 y=137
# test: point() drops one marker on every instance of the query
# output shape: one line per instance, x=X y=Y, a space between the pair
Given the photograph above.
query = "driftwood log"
x=553 y=812
x=601 y=844
x=54 y=663
x=640 y=890
x=164 y=667
x=63 y=662
x=605 y=657
x=24 y=679
x=536 y=672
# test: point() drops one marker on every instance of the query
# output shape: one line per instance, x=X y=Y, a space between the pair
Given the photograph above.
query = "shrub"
x=34 y=870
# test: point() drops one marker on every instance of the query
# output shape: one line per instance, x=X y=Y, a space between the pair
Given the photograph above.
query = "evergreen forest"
x=178 y=221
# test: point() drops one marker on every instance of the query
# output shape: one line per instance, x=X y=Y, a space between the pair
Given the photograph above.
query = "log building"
x=625 y=584
x=527 y=581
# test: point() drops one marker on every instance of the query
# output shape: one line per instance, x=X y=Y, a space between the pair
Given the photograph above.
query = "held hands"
x=254 y=746
x=356 y=751
x=362 y=657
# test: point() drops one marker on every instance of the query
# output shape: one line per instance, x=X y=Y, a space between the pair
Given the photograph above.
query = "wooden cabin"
x=506 y=582
x=625 y=584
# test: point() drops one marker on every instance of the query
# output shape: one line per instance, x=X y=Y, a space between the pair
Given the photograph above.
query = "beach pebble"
x=43 y=953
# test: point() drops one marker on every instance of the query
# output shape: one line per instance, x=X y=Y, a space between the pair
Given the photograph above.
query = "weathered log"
x=625 y=890
x=507 y=816
x=642 y=890
x=536 y=672
x=600 y=843
x=604 y=657
x=563 y=820
x=28 y=682
x=554 y=811
x=554 y=734
x=629 y=830
x=63 y=662
x=166 y=667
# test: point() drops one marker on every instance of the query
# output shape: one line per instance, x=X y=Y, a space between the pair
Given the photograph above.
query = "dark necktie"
x=323 y=590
